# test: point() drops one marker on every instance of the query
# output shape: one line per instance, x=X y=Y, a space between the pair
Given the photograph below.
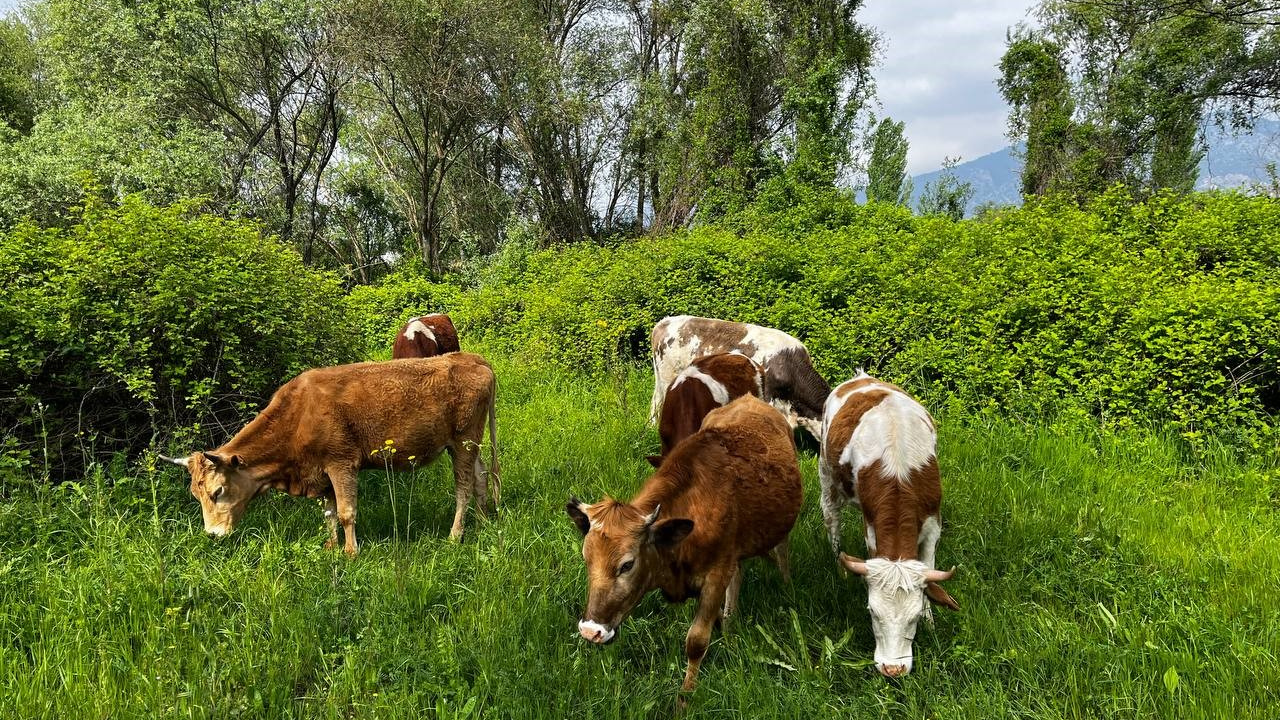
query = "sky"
x=937 y=74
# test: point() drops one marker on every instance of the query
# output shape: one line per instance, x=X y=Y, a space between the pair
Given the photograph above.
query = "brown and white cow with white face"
x=708 y=383
x=879 y=451
x=791 y=383
x=426 y=336
x=730 y=491
x=322 y=427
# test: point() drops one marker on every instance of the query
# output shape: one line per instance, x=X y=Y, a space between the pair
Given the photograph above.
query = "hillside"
x=1231 y=161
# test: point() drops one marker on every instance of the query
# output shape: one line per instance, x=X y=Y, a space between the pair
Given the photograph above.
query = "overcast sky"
x=937 y=74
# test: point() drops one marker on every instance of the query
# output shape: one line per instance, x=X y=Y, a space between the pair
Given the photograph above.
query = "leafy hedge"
x=1164 y=311
x=138 y=320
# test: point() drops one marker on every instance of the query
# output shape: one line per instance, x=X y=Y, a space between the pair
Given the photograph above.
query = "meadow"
x=1100 y=574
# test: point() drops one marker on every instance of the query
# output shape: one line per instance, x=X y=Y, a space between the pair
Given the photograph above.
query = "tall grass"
x=1099 y=576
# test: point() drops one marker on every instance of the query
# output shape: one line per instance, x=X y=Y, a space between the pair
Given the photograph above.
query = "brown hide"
x=688 y=400
x=410 y=344
x=737 y=480
x=321 y=428
x=895 y=509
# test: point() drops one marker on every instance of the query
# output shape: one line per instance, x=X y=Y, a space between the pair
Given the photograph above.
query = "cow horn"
x=937 y=576
x=175 y=461
x=648 y=519
x=853 y=564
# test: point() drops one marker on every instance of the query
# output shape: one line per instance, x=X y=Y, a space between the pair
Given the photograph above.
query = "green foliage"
x=137 y=320
x=887 y=179
x=379 y=311
x=17 y=75
x=946 y=195
x=1162 y=311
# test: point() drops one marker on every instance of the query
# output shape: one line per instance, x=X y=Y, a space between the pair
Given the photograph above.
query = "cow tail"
x=495 y=482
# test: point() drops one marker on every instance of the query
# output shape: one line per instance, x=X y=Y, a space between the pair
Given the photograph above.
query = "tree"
x=426 y=96
x=1119 y=90
x=887 y=179
x=17 y=75
x=946 y=195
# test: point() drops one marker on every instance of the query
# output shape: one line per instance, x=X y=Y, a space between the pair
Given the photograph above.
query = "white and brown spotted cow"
x=426 y=336
x=729 y=492
x=324 y=426
x=880 y=453
x=710 y=382
x=791 y=383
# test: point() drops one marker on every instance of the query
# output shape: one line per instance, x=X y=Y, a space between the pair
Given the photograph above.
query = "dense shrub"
x=137 y=320
x=1162 y=311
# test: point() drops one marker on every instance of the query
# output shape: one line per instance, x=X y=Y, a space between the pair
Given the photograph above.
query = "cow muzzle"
x=218 y=531
x=593 y=631
x=893 y=671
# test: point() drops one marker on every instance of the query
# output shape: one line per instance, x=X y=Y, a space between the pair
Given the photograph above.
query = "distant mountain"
x=1231 y=161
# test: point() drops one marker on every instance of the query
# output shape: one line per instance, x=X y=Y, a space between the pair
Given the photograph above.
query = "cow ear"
x=669 y=533
x=654 y=460
x=577 y=512
x=937 y=595
x=232 y=462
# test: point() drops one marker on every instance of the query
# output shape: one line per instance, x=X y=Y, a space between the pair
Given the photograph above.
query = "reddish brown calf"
x=710 y=382
x=426 y=336
x=322 y=427
x=730 y=491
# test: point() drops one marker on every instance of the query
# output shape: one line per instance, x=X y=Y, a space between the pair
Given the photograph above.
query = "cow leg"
x=731 y=596
x=481 y=487
x=832 y=500
x=344 y=495
x=331 y=519
x=463 y=485
x=695 y=643
x=781 y=556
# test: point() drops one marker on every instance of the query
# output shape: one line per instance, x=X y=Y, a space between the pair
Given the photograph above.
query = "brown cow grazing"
x=729 y=492
x=791 y=383
x=322 y=427
x=710 y=382
x=426 y=336
x=880 y=452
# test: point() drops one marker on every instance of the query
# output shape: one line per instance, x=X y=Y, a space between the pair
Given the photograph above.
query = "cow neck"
x=265 y=446
x=892 y=514
x=811 y=390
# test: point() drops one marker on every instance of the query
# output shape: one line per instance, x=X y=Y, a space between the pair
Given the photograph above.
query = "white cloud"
x=937 y=74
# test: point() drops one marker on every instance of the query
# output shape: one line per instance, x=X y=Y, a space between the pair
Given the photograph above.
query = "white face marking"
x=590 y=628
x=718 y=391
x=417 y=326
x=895 y=597
x=897 y=432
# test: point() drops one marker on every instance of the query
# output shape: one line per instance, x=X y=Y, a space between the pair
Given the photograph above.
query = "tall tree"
x=947 y=195
x=1119 y=90
x=887 y=179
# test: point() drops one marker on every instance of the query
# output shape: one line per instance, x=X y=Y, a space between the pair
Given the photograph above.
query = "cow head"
x=896 y=597
x=626 y=552
x=221 y=485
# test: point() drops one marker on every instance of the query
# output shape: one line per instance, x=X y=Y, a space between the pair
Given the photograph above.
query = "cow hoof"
x=330 y=544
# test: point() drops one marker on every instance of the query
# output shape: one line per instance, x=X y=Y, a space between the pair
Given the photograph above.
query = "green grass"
x=1093 y=570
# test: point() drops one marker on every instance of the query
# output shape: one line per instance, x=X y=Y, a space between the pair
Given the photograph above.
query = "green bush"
x=138 y=320
x=1164 y=311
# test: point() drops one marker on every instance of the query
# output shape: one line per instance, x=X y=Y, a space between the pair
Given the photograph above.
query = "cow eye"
x=625 y=567
x=217 y=493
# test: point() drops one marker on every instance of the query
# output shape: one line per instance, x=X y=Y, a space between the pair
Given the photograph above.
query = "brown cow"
x=322 y=427
x=880 y=452
x=426 y=336
x=710 y=382
x=729 y=492
x=791 y=383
